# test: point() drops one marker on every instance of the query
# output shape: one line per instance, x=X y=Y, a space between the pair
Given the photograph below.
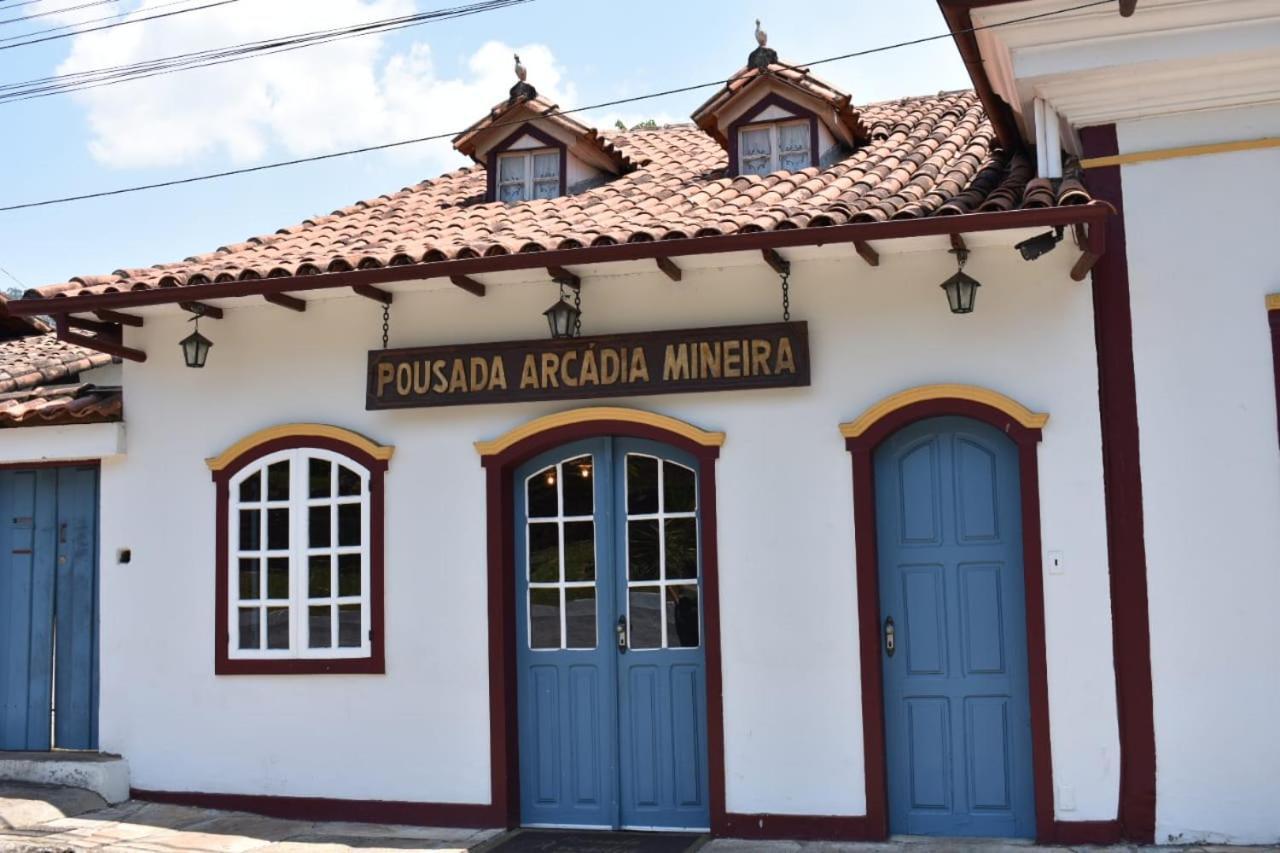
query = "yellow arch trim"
x=1011 y=407
x=1273 y=302
x=262 y=436
x=599 y=413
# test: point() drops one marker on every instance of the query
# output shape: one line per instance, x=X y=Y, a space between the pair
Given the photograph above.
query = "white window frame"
x=560 y=583
x=775 y=136
x=299 y=504
x=528 y=181
x=663 y=582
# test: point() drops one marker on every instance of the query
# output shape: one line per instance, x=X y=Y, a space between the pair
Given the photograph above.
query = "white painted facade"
x=793 y=733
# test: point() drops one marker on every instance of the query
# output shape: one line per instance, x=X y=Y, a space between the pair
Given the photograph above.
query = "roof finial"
x=522 y=90
x=763 y=56
x=521 y=72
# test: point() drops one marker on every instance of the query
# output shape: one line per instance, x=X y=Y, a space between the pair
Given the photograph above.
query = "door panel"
x=48 y=597
x=957 y=713
x=611 y=674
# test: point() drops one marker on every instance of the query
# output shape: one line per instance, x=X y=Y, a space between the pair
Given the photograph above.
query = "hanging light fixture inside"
x=960 y=288
x=195 y=346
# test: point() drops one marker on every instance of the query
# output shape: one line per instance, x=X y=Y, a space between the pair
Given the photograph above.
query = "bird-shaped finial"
x=762 y=38
x=521 y=73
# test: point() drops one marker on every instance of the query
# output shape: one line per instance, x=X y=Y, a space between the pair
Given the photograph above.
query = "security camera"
x=1033 y=247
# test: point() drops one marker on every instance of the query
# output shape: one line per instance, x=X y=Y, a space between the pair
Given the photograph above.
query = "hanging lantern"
x=564 y=319
x=195 y=347
x=961 y=289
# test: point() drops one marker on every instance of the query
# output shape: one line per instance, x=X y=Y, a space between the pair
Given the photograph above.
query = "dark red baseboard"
x=1086 y=832
x=325 y=808
x=794 y=827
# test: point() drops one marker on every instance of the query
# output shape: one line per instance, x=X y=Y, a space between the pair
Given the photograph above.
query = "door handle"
x=622 y=634
x=889 y=640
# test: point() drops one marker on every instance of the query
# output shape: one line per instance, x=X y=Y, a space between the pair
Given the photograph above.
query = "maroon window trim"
x=549 y=141
x=862 y=450
x=1273 y=317
x=749 y=118
x=499 y=468
x=374 y=664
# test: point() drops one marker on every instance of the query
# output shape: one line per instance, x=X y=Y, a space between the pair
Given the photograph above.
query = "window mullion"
x=298 y=520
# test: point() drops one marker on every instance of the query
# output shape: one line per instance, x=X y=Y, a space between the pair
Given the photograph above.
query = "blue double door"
x=954 y=651
x=611 y=674
x=48 y=608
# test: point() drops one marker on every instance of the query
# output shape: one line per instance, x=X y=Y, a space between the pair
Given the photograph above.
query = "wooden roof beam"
x=98 y=327
x=669 y=268
x=97 y=343
x=1127 y=7
x=868 y=254
x=119 y=317
x=200 y=309
x=368 y=291
x=561 y=275
x=780 y=264
x=284 y=300
x=957 y=242
x=467 y=283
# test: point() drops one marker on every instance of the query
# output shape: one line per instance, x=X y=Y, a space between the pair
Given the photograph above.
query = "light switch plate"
x=1056 y=564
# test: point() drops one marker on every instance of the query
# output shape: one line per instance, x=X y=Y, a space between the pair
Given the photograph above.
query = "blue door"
x=48 y=608
x=957 y=712
x=610 y=664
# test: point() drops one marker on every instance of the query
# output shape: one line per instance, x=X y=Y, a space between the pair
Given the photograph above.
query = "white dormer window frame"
x=784 y=151
x=529 y=174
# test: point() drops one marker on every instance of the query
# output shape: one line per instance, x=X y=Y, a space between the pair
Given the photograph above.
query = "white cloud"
x=345 y=94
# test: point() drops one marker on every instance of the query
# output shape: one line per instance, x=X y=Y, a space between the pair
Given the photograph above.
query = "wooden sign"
x=773 y=355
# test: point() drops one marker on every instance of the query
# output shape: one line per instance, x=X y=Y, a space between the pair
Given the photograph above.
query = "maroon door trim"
x=223 y=663
x=1122 y=478
x=1273 y=317
x=499 y=468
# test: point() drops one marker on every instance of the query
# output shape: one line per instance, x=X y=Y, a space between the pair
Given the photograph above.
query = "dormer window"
x=778 y=146
x=525 y=175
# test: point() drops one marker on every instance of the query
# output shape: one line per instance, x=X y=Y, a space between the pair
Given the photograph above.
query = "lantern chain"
x=577 y=304
x=786 y=297
x=386 y=324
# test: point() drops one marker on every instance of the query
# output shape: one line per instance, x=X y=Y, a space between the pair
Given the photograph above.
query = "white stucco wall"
x=793 y=728
x=1201 y=244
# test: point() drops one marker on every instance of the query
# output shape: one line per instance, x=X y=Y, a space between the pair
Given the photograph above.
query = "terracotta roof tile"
x=60 y=404
x=929 y=156
x=42 y=359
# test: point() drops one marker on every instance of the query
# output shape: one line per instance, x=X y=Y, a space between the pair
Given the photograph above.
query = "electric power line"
x=78 y=24
x=54 y=11
x=618 y=102
x=112 y=26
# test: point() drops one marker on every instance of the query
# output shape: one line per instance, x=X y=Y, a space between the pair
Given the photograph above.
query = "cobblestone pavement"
x=43 y=819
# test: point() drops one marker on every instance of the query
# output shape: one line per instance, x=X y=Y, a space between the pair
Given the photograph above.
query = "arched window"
x=300 y=553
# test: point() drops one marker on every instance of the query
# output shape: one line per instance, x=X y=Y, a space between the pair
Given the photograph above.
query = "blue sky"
x=429 y=79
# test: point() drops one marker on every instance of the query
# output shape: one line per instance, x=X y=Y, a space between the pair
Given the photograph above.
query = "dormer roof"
x=766 y=75
x=524 y=107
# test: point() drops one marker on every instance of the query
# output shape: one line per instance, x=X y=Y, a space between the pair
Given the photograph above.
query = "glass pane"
x=546 y=189
x=642 y=484
x=682 y=617
x=249 y=628
x=349 y=626
x=277 y=529
x=544 y=618
x=278 y=577
x=580 y=618
x=250 y=530
x=682 y=548
x=794 y=162
x=755 y=143
x=578 y=484
x=278 y=481
x=546 y=166
x=251 y=488
x=319 y=477
x=511 y=167
x=544 y=552
x=579 y=551
x=318 y=576
x=511 y=192
x=793 y=137
x=349 y=524
x=679 y=488
x=319 y=630
x=348 y=482
x=541 y=493
x=250 y=579
x=643 y=616
x=277 y=627
x=642 y=550
x=755 y=165
x=318 y=535
x=349 y=574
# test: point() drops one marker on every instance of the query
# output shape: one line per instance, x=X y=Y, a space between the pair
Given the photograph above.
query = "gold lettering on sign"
x=421 y=376
x=497 y=374
x=404 y=379
x=732 y=359
x=479 y=374
x=639 y=366
x=786 y=362
x=760 y=356
x=565 y=360
x=550 y=365
x=610 y=366
x=529 y=373
x=386 y=372
x=675 y=362
x=590 y=373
